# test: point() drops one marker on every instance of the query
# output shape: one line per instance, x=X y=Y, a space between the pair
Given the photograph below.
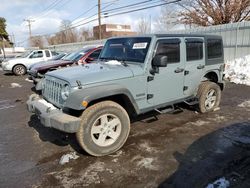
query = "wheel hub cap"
x=210 y=99
x=106 y=130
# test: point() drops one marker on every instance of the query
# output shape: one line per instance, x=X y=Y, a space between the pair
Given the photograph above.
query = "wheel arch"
x=19 y=64
x=213 y=76
x=93 y=95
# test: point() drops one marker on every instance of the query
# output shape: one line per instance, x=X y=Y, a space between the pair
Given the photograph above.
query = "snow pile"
x=238 y=70
x=14 y=85
x=70 y=156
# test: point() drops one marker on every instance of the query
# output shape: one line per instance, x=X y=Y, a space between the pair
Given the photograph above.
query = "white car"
x=20 y=65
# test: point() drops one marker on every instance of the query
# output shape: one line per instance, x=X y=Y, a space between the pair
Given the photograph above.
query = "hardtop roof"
x=170 y=35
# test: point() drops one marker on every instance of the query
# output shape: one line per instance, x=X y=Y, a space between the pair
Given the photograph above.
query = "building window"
x=214 y=48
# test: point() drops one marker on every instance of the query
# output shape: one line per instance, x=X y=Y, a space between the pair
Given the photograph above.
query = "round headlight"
x=65 y=92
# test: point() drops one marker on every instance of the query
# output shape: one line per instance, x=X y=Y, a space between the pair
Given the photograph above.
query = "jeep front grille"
x=52 y=91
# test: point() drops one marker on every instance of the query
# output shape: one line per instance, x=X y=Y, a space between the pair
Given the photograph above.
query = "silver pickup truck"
x=132 y=76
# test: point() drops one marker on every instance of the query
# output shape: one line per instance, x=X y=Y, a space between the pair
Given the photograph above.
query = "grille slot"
x=52 y=91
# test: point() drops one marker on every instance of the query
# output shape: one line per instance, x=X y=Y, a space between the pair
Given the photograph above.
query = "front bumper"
x=6 y=67
x=51 y=116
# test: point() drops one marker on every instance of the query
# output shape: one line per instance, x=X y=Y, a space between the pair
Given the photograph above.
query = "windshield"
x=75 y=56
x=126 y=49
x=60 y=56
x=25 y=54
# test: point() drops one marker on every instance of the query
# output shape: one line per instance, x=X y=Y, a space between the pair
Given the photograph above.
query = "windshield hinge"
x=150 y=78
x=150 y=96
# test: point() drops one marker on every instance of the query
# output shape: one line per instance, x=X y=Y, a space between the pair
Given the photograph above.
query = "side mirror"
x=160 y=61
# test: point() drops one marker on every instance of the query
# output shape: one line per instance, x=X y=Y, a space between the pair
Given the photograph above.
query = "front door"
x=167 y=84
x=195 y=64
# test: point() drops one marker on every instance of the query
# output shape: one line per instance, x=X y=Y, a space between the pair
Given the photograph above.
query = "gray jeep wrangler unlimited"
x=133 y=75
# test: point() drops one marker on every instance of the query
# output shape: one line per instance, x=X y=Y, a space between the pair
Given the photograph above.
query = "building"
x=112 y=30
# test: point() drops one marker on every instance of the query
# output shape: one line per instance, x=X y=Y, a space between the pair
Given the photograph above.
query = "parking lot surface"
x=182 y=149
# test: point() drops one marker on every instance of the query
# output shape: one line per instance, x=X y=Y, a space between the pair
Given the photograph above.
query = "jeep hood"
x=95 y=73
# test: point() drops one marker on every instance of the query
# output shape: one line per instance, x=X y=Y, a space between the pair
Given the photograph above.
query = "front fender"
x=75 y=99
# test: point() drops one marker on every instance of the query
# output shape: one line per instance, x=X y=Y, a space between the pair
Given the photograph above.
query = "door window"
x=194 y=50
x=170 y=48
x=37 y=54
x=95 y=54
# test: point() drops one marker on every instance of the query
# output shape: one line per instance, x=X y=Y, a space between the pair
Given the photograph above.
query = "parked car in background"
x=20 y=65
x=54 y=58
x=86 y=55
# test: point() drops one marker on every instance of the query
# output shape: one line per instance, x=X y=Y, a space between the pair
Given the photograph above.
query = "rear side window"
x=194 y=50
x=47 y=53
x=170 y=48
x=214 y=48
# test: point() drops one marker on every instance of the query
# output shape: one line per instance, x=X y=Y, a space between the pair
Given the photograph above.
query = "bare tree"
x=84 y=35
x=37 y=41
x=214 y=12
x=144 y=26
x=67 y=34
x=168 y=19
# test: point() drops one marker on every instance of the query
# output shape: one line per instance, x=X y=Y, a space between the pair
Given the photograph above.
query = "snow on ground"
x=238 y=70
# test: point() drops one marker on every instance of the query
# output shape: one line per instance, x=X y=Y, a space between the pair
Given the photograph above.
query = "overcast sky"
x=48 y=14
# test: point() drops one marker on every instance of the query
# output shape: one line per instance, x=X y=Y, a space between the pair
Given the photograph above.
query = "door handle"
x=178 y=70
x=201 y=67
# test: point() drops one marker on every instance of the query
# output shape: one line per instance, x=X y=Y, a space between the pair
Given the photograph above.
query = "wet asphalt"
x=183 y=149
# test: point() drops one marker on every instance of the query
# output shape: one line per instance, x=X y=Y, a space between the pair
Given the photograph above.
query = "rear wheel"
x=104 y=128
x=19 y=70
x=209 y=95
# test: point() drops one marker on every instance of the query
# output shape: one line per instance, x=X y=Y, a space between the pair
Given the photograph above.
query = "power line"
x=84 y=13
x=111 y=3
x=49 y=9
x=115 y=14
x=124 y=12
x=121 y=7
x=130 y=5
x=139 y=9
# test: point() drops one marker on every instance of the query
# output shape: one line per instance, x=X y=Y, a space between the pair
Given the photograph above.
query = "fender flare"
x=90 y=94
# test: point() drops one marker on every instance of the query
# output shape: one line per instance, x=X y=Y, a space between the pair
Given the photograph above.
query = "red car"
x=86 y=55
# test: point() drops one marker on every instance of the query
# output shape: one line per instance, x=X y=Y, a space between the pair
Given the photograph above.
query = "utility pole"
x=99 y=19
x=13 y=40
x=29 y=25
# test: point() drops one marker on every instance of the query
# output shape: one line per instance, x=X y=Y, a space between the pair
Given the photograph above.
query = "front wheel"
x=19 y=70
x=104 y=128
x=209 y=95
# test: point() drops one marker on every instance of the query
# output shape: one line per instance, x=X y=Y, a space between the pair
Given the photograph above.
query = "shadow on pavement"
x=223 y=153
x=54 y=136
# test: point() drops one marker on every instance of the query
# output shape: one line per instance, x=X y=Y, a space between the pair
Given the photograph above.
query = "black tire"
x=206 y=103
x=91 y=119
x=19 y=70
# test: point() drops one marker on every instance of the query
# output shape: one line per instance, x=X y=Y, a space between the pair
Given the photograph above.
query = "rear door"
x=195 y=64
x=167 y=85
